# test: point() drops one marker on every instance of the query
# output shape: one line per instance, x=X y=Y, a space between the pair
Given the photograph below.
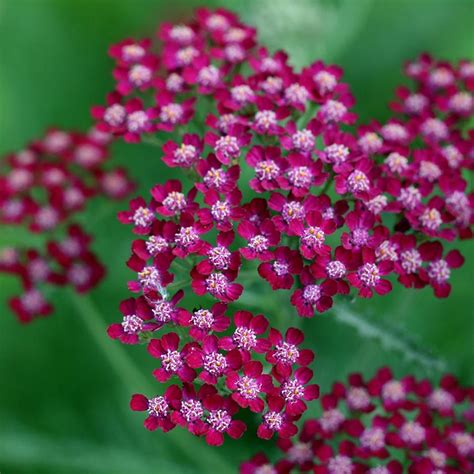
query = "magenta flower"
x=184 y=155
x=295 y=390
x=245 y=337
x=275 y=420
x=260 y=239
x=191 y=410
x=214 y=364
x=439 y=269
x=285 y=352
x=173 y=359
x=269 y=167
x=368 y=277
x=313 y=296
x=248 y=387
x=280 y=273
x=220 y=421
x=203 y=321
x=158 y=408
x=228 y=147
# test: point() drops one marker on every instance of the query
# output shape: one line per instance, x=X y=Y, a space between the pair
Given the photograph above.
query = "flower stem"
x=390 y=338
x=132 y=377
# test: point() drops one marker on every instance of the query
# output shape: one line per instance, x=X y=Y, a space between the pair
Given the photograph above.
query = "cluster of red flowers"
x=337 y=208
x=41 y=188
x=382 y=426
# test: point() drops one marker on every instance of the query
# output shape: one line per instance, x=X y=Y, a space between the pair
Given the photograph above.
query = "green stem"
x=130 y=375
x=390 y=338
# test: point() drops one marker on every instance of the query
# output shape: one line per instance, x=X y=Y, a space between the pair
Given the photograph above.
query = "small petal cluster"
x=41 y=188
x=381 y=426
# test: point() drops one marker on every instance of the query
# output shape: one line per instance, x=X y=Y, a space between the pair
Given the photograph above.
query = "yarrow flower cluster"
x=41 y=188
x=329 y=210
x=382 y=426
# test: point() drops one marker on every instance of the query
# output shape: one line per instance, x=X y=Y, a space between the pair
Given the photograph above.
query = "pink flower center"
x=439 y=271
x=411 y=260
x=386 y=251
x=336 y=269
x=370 y=143
x=137 y=121
x=340 y=465
x=215 y=178
x=171 y=361
x=217 y=284
x=32 y=301
x=219 y=257
x=292 y=210
x=396 y=163
x=208 y=76
x=280 y=267
x=115 y=115
x=434 y=129
x=331 y=420
x=292 y=390
x=163 y=311
x=267 y=170
x=185 y=155
x=242 y=94
x=171 y=113
x=336 y=153
x=158 y=407
x=325 y=81
x=258 y=243
x=149 y=278
x=248 y=387
x=203 y=319
x=410 y=197
x=220 y=211
x=358 y=398
x=412 y=432
x=333 y=111
x=312 y=293
x=303 y=140
x=219 y=420
x=265 y=119
x=286 y=353
x=431 y=218
x=186 y=237
x=373 y=439
x=215 y=363
x=369 y=274
x=300 y=177
x=273 y=420
x=142 y=217
x=140 y=75
x=441 y=400
x=191 y=410
x=156 y=244
x=313 y=237
x=358 y=182
x=300 y=453
x=393 y=391
x=228 y=146
x=132 y=324
x=244 y=338
x=296 y=94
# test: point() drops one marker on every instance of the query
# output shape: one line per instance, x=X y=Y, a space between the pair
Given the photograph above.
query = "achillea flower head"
x=266 y=148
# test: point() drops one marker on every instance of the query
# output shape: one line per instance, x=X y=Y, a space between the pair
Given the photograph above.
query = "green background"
x=62 y=407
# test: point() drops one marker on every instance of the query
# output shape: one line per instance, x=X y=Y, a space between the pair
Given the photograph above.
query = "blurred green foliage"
x=62 y=408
